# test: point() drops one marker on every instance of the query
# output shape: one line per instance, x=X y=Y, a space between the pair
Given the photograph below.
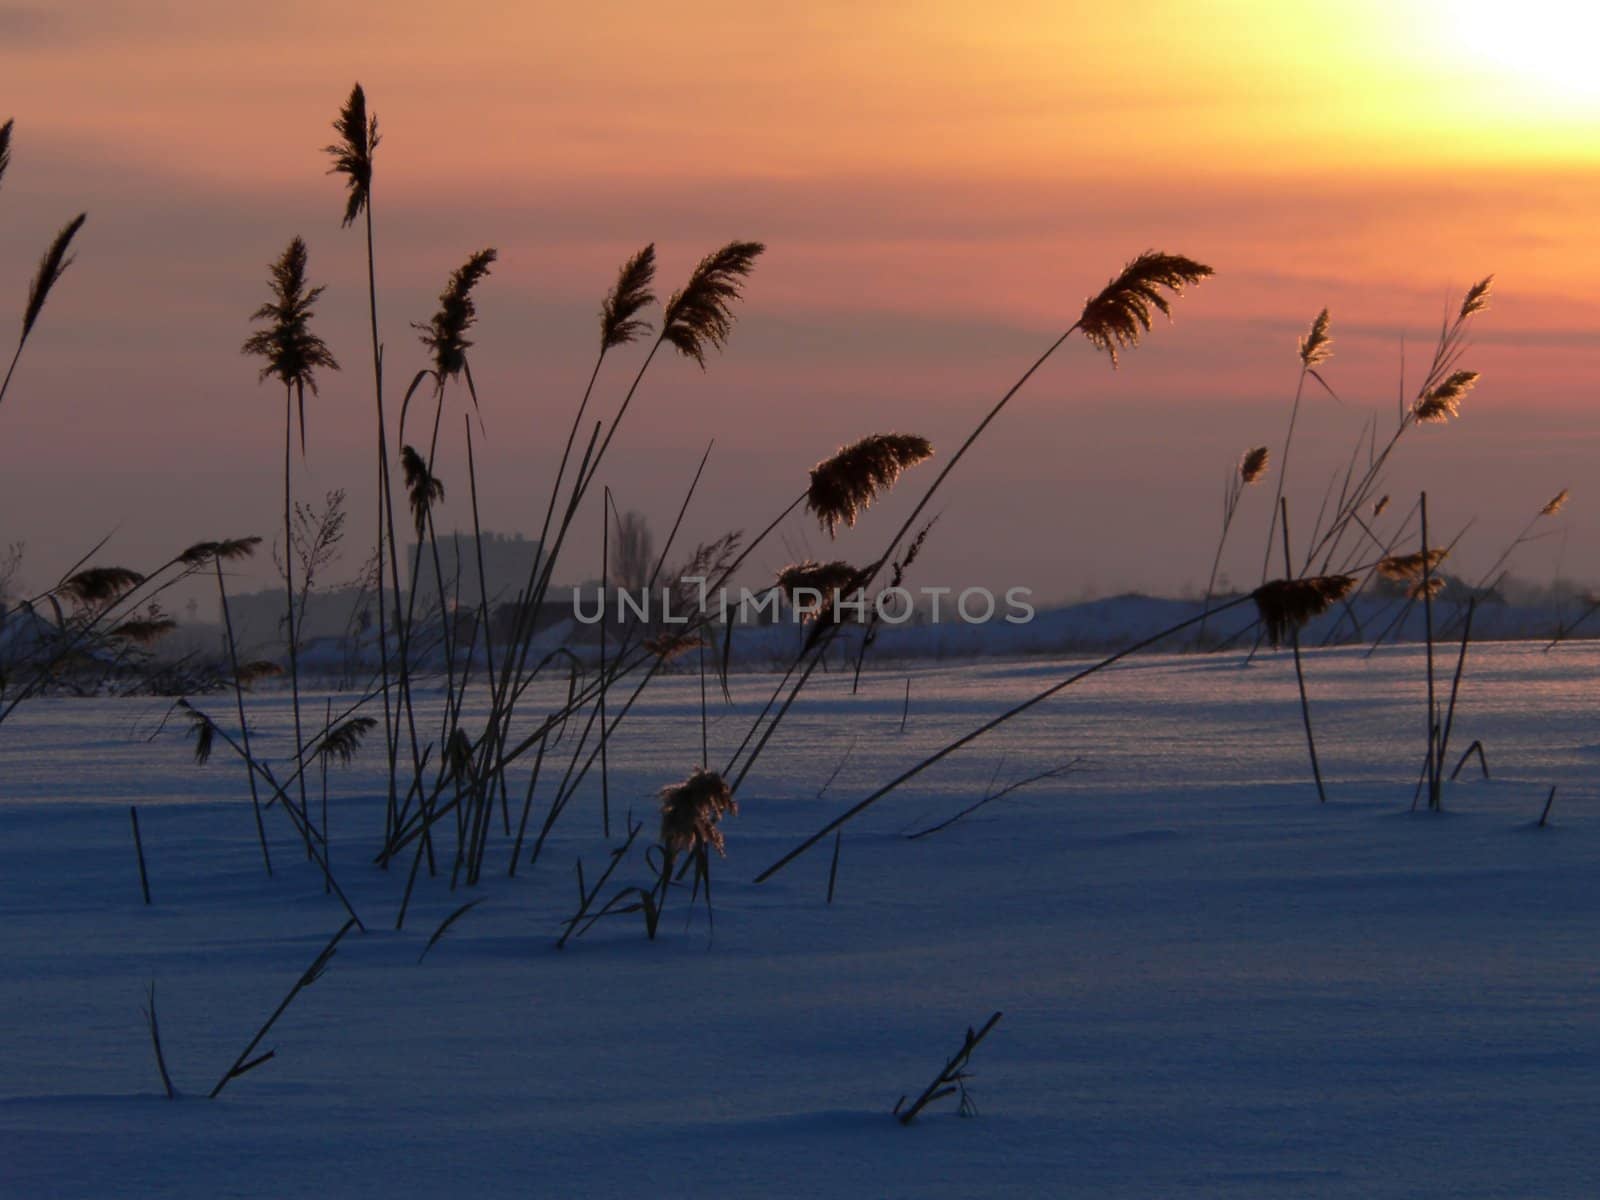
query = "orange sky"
x=939 y=190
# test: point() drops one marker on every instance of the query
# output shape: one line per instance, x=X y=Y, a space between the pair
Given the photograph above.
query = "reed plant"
x=1250 y=469
x=52 y=266
x=292 y=355
x=1111 y=321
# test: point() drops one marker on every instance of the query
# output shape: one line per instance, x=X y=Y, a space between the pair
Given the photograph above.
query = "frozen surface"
x=1212 y=985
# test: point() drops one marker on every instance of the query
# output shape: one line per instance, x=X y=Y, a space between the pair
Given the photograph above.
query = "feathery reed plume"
x=292 y=352
x=831 y=579
x=691 y=810
x=1477 y=297
x=1316 y=347
x=445 y=335
x=1116 y=318
x=458 y=753
x=5 y=147
x=619 y=323
x=424 y=488
x=343 y=741
x=1430 y=587
x=701 y=313
x=203 y=732
x=1287 y=604
x=250 y=672
x=1444 y=401
x=100 y=585
x=51 y=267
x=844 y=486
x=1403 y=567
x=905 y=564
x=1556 y=504
x=668 y=646
x=144 y=630
x=1252 y=467
x=352 y=153
x=1379 y=507
x=233 y=548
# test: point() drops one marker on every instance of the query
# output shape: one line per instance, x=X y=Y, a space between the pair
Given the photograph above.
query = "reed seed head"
x=352 y=153
x=1116 y=318
x=619 y=315
x=1429 y=587
x=831 y=580
x=1556 y=504
x=1316 y=347
x=1253 y=465
x=52 y=266
x=100 y=585
x=344 y=740
x=458 y=754
x=423 y=487
x=691 y=810
x=234 y=548
x=144 y=630
x=1378 y=508
x=700 y=315
x=1444 y=401
x=5 y=147
x=250 y=672
x=844 y=486
x=1411 y=566
x=1477 y=297
x=203 y=732
x=445 y=335
x=291 y=351
x=1287 y=604
x=668 y=646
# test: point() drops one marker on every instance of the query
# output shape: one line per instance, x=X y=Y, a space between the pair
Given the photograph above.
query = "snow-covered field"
x=1212 y=985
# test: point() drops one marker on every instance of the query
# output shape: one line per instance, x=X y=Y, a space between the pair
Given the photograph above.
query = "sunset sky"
x=940 y=186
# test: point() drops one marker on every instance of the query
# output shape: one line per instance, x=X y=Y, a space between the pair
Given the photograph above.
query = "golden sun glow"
x=1544 y=48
